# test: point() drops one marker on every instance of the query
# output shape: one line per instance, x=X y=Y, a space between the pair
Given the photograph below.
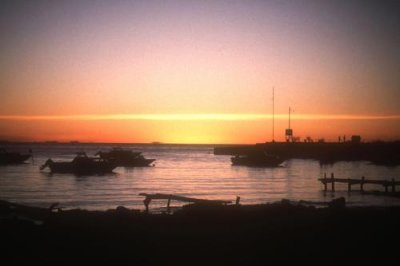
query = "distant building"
x=289 y=135
x=356 y=139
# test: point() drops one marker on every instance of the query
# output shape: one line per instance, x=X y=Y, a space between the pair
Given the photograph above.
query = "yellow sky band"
x=194 y=117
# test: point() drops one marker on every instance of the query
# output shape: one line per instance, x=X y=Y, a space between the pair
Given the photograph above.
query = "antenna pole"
x=273 y=114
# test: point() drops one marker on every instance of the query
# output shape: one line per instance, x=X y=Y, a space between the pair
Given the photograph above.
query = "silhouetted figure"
x=340 y=139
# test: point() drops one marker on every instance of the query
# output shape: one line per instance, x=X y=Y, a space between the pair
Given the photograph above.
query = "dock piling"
x=237 y=200
x=362 y=184
x=168 y=205
x=393 y=186
x=146 y=202
x=348 y=185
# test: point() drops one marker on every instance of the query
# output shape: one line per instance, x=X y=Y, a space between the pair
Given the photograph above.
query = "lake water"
x=187 y=170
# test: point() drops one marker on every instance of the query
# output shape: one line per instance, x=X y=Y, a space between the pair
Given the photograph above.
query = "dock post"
x=362 y=184
x=393 y=186
x=348 y=185
x=325 y=183
x=237 y=200
x=333 y=181
x=168 y=208
x=146 y=202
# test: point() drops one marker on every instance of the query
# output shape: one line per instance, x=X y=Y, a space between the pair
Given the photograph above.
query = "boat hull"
x=13 y=158
x=82 y=169
x=135 y=163
x=257 y=162
x=126 y=158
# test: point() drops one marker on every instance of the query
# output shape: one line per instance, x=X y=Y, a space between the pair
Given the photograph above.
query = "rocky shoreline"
x=199 y=234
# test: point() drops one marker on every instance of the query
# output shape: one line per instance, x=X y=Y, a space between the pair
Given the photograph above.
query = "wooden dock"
x=169 y=197
x=349 y=181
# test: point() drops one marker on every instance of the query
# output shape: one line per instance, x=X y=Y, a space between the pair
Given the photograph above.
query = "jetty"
x=381 y=153
x=169 y=197
x=350 y=181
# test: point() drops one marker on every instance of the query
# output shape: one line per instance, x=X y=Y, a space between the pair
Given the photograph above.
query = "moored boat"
x=257 y=159
x=127 y=158
x=12 y=157
x=81 y=165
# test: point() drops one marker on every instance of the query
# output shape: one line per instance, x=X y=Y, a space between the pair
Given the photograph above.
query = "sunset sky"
x=198 y=71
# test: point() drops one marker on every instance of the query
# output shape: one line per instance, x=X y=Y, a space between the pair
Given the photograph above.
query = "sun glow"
x=193 y=128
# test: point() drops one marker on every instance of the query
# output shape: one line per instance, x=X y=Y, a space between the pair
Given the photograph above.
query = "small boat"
x=257 y=159
x=12 y=157
x=81 y=165
x=126 y=158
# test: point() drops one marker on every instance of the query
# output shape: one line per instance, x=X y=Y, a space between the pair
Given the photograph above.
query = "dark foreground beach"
x=280 y=232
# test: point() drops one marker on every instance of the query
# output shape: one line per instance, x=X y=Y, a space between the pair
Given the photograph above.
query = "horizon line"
x=196 y=117
x=50 y=142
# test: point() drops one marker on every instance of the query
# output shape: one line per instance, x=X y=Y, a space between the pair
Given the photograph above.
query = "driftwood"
x=170 y=197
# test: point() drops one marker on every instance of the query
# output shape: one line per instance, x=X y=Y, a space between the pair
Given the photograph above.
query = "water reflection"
x=187 y=171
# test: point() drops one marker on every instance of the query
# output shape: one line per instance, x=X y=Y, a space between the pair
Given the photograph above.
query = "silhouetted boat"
x=257 y=159
x=127 y=158
x=384 y=153
x=81 y=164
x=12 y=157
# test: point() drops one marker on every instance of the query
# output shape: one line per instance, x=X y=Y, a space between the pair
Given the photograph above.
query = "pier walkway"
x=350 y=181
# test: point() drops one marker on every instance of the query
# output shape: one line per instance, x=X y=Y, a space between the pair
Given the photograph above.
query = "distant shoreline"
x=111 y=143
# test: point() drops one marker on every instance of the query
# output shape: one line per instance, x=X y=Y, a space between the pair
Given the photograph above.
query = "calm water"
x=187 y=170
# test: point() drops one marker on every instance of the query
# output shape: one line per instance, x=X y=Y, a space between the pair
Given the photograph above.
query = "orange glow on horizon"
x=194 y=117
x=195 y=128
